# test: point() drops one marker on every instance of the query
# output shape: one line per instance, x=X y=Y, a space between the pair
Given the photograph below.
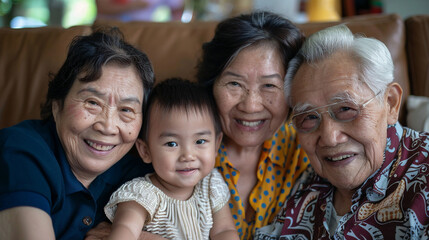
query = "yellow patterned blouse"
x=281 y=162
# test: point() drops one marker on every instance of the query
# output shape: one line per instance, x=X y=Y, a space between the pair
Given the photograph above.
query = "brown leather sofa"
x=29 y=56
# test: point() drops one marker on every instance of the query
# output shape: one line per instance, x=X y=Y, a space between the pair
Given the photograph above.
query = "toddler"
x=185 y=198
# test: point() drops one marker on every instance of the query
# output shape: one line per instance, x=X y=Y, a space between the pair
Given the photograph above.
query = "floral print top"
x=393 y=203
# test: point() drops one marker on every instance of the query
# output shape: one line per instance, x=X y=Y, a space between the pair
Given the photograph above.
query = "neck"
x=343 y=201
x=85 y=181
x=241 y=152
x=179 y=193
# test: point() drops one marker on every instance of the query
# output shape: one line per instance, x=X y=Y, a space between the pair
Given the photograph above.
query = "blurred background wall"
x=67 y=13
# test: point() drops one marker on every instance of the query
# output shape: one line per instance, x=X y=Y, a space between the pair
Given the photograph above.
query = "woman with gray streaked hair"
x=370 y=178
x=244 y=66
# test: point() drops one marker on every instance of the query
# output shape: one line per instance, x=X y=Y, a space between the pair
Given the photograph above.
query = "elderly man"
x=370 y=178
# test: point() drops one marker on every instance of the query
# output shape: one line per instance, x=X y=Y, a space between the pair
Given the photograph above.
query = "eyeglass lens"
x=341 y=112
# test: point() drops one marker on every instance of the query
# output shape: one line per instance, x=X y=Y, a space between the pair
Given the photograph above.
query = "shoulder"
x=285 y=149
x=29 y=141
x=215 y=180
x=29 y=161
x=140 y=190
x=36 y=131
x=285 y=140
x=218 y=190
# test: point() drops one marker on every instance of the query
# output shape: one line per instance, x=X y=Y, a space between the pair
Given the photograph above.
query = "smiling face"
x=345 y=153
x=250 y=98
x=181 y=146
x=100 y=121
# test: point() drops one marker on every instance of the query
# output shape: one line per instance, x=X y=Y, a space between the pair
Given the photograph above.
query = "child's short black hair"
x=177 y=93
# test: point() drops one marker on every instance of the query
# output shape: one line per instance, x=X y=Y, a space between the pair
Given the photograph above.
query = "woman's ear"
x=394 y=96
x=143 y=150
x=55 y=109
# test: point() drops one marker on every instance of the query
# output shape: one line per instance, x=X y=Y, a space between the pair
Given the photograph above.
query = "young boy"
x=185 y=198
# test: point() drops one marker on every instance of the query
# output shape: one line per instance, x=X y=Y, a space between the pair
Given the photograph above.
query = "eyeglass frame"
x=331 y=114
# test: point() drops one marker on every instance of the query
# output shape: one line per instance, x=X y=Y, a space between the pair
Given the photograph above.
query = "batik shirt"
x=393 y=203
x=280 y=164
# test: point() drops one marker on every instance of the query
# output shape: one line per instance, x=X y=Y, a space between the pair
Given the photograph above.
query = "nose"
x=330 y=132
x=107 y=121
x=252 y=101
x=187 y=155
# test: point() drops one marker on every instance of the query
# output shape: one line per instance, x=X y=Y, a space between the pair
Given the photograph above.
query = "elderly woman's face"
x=100 y=120
x=345 y=153
x=250 y=98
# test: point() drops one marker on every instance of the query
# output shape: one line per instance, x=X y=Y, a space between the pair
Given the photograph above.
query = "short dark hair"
x=85 y=59
x=177 y=93
x=234 y=34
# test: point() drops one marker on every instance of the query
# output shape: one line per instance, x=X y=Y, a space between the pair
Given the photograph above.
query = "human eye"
x=272 y=85
x=93 y=102
x=306 y=121
x=127 y=110
x=269 y=85
x=201 y=141
x=233 y=84
x=128 y=113
x=93 y=105
x=345 y=111
x=171 y=144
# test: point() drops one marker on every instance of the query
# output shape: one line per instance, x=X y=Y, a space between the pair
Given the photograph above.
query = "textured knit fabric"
x=280 y=164
x=172 y=218
x=34 y=172
x=390 y=204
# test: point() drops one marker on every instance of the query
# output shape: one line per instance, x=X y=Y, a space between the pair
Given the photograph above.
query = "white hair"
x=373 y=57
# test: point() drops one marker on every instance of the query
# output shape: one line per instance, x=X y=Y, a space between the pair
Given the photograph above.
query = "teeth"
x=339 y=158
x=99 y=147
x=188 y=169
x=250 y=124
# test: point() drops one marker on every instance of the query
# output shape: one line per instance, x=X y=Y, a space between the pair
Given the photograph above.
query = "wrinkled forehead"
x=340 y=97
x=309 y=97
x=326 y=82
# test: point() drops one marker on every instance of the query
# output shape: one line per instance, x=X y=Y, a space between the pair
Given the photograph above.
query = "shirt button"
x=87 y=221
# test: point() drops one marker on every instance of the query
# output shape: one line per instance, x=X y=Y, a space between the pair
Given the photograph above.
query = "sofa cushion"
x=28 y=57
x=173 y=48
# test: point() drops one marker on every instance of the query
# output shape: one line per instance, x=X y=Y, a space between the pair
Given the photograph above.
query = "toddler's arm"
x=129 y=221
x=223 y=225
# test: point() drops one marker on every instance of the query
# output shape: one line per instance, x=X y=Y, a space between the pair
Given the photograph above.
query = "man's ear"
x=218 y=140
x=394 y=96
x=143 y=150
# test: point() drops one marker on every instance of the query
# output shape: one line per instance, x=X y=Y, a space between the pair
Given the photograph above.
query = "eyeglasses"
x=344 y=111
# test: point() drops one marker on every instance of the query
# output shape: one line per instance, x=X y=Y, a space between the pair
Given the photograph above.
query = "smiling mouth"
x=250 y=124
x=99 y=147
x=187 y=170
x=339 y=158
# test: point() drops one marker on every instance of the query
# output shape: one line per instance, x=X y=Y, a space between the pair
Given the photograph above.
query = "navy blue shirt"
x=34 y=172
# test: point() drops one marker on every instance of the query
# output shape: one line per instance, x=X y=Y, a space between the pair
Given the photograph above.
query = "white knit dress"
x=172 y=218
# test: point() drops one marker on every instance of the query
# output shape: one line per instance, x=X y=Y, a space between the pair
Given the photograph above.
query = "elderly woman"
x=57 y=174
x=372 y=173
x=260 y=157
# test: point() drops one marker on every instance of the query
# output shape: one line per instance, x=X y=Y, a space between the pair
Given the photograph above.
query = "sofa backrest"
x=27 y=56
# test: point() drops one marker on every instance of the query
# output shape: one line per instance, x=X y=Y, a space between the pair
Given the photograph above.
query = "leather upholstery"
x=27 y=56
